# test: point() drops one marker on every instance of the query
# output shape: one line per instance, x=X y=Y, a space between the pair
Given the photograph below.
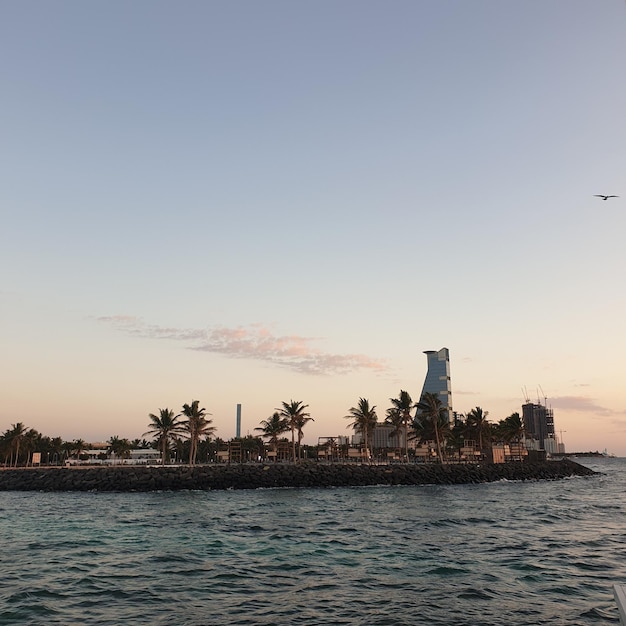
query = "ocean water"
x=509 y=553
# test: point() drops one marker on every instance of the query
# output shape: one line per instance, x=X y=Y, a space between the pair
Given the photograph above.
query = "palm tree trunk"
x=191 y=440
x=438 y=444
x=365 y=439
x=406 y=442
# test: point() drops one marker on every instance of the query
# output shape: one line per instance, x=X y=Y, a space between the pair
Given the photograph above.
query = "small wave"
x=475 y=594
x=444 y=570
x=32 y=595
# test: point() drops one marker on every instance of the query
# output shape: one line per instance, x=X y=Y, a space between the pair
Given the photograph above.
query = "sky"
x=247 y=202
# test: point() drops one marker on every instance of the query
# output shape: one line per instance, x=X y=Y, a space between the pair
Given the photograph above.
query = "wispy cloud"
x=580 y=403
x=252 y=342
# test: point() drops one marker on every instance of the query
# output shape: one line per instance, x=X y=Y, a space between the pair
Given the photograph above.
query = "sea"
x=505 y=553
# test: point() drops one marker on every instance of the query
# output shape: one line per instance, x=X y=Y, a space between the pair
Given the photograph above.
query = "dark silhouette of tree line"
x=189 y=435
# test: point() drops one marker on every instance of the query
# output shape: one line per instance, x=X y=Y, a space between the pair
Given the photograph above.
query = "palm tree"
x=56 y=449
x=68 y=447
x=41 y=444
x=512 y=428
x=197 y=426
x=164 y=427
x=5 y=447
x=477 y=422
x=444 y=430
x=120 y=447
x=251 y=447
x=272 y=428
x=293 y=411
x=79 y=446
x=457 y=434
x=30 y=443
x=403 y=405
x=300 y=422
x=396 y=420
x=364 y=420
x=179 y=448
x=15 y=436
x=431 y=410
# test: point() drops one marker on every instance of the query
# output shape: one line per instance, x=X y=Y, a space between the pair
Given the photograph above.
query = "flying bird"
x=605 y=197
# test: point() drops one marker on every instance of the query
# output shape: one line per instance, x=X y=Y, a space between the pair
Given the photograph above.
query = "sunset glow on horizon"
x=247 y=203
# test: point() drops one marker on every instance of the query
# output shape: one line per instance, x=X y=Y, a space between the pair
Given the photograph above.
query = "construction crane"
x=545 y=398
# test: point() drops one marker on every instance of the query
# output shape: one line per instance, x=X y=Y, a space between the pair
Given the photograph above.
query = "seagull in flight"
x=605 y=197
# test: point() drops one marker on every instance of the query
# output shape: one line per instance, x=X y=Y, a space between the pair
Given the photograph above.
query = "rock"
x=301 y=475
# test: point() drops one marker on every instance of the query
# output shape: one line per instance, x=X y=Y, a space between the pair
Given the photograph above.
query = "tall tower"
x=437 y=379
x=238 y=424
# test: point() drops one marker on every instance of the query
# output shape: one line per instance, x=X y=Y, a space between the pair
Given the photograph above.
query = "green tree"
x=30 y=443
x=457 y=434
x=364 y=420
x=120 y=447
x=164 y=428
x=403 y=405
x=300 y=422
x=272 y=428
x=78 y=447
x=5 y=447
x=56 y=450
x=181 y=448
x=512 y=428
x=68 y=449
x=251 y=447
x=15 y=436
x=478 y=424
x=294 y=412
x=197 y=426
x=396 y=420
x=42 y=443
x=431 y=411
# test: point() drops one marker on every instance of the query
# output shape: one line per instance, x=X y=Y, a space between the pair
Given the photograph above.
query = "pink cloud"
x=579 y=403
x=252 y=342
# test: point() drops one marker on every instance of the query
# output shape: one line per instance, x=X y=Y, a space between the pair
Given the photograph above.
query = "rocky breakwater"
x=255 y=476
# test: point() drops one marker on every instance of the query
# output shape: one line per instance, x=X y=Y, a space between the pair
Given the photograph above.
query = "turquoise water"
x=501 y=553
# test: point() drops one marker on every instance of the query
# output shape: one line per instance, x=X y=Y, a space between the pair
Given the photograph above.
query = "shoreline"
x=134 y=478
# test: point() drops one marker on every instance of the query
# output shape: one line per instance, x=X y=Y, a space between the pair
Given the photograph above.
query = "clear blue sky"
x=249 y=202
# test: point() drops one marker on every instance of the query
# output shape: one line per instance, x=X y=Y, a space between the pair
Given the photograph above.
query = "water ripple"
x=524 y=554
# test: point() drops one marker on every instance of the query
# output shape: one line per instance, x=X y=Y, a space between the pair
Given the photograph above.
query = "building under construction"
x=539 y=427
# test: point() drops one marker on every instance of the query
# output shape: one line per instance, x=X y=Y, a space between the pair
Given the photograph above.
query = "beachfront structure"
x=384 y=437
x=437 y=379
x=99 y=454
x=539 y=427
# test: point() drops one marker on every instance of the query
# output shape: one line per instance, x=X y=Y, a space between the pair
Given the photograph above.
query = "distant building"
x=437 y=379
x=539 y=427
